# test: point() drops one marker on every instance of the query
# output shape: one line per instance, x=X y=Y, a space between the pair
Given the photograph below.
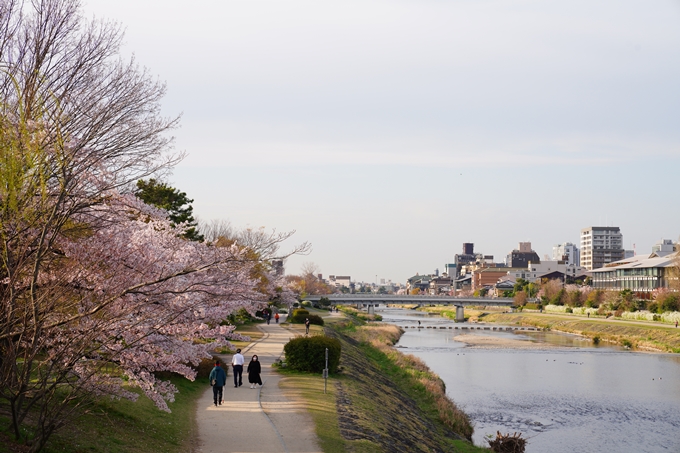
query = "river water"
x=569 y=397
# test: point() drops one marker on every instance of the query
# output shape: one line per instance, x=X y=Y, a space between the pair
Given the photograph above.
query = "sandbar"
x=491 y=342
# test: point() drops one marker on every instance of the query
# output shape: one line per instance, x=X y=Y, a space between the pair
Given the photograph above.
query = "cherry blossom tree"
x=97 y=291
x=121 y=300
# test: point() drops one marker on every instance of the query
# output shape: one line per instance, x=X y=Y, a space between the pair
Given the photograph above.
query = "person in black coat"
x=254 y=370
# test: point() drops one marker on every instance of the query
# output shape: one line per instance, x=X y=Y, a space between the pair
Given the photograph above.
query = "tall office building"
x=567 y=252
x=601 y=245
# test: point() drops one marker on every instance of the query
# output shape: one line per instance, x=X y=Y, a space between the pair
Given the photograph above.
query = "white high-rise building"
x=601 y=245
x=567 y=252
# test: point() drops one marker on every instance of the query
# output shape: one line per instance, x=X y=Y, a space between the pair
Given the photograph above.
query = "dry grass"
x=654 y=338
x=382 y=337
x=378 y=334
x=449 y=413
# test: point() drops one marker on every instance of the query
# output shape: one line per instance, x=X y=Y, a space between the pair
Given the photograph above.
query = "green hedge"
x=309 y=353
x=300 y=319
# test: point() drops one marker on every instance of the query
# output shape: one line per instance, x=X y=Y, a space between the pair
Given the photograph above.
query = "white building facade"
x=600 y=246
x=536 y=270
x=568 y=253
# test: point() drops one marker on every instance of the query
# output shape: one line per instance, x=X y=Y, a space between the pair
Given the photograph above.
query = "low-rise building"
x=488 y=276
x=537 y=271
x=420 y=282
x=642 y=274
x=440 y=285
x=468 y=257
x=339 y=281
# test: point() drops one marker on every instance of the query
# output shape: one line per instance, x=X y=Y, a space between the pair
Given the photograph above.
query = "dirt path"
x=256 y=420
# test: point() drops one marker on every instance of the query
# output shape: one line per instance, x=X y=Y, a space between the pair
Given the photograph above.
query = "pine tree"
x=176 y=203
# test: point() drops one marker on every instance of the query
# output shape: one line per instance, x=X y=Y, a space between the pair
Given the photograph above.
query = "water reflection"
x=569 y=397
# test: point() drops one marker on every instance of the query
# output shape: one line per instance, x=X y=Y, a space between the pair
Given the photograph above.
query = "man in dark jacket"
x=217 y=379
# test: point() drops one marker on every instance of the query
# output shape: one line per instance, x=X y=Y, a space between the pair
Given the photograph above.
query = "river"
x=563 y=393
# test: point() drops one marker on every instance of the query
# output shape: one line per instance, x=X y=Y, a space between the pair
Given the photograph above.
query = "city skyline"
x=387 y=134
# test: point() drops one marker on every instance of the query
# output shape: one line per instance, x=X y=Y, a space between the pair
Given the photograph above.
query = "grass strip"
x=123 y=426
x=117 y=426
x=654 y=338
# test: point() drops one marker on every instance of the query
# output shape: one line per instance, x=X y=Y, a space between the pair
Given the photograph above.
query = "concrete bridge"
x=374 y=300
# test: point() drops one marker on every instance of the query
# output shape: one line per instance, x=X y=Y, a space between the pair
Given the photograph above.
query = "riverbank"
x=383 y=400
x=627 y=334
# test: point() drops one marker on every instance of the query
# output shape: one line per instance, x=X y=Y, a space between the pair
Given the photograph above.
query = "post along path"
x=260 y=420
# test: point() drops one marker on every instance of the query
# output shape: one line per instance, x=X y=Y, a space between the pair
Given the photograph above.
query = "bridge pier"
x=371 y=309
x=460 y=313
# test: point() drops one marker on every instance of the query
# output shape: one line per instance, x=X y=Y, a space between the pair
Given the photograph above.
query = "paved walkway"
x=262 y=420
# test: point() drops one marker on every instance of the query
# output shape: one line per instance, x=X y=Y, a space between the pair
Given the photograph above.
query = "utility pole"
x=325 y=373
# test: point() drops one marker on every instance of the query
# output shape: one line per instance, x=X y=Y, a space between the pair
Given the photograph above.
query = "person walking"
x=218 y=378
x=269 y=317
x=254 y=370
x=276 y=317
x=676 y=324
x=306 y=326
x=237 y=365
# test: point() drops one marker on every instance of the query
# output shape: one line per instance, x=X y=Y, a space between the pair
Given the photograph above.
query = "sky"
x=387 y=133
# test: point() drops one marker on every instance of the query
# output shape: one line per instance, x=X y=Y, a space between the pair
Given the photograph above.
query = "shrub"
x=668 y=303
x=300 y=311
x=596 y=339
x=558 y=299
x=240 y=317
x=520 y=298
x=309 y=354
x=594 y=298
x=299 y=318
x=568 y=310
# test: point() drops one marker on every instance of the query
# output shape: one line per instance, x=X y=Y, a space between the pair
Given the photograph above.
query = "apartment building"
x=600 y=246
x=568 y=253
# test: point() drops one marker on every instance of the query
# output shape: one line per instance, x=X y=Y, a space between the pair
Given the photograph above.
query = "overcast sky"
x=387 y=133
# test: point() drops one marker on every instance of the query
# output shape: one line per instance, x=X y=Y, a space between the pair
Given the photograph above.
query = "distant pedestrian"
x=276 y=317
x=237 y=365
x=269 y=317
x=676 y=324
x=254 y=370
x=589 y=314
x=217 y=379
x=306 y=326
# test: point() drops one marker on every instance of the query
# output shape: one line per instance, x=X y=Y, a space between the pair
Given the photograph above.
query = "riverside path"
x=256 y=420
